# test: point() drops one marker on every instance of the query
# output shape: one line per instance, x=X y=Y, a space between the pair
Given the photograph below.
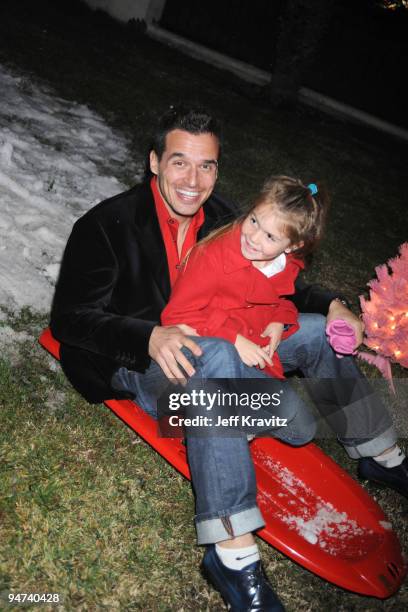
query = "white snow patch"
x=57 y=159
x=10 y=341
x=327 y=520
x=8 y=336
x=53 y=364
x=386 y=525
x=313 y=516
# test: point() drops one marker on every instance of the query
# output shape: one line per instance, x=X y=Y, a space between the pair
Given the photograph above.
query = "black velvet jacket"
x=114 y=283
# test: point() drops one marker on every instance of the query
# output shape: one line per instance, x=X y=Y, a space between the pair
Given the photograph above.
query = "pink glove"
x=341 y=337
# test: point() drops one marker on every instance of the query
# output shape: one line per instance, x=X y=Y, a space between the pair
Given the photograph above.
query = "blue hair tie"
x=313 y=188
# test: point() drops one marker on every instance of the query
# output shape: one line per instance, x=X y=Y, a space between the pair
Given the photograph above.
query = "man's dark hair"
x=193 y=120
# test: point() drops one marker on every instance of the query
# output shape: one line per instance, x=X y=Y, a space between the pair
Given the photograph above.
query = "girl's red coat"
x=220 y=293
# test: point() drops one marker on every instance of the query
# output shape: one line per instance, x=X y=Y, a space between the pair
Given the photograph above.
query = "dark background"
x=360 y=48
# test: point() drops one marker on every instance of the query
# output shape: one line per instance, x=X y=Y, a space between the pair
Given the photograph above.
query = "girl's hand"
x=252 y=354
x=274 y=331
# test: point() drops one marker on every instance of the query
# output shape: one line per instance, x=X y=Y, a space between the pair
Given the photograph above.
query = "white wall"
x=123 y=10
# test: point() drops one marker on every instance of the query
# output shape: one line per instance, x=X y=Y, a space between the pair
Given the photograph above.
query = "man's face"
x=186 y=172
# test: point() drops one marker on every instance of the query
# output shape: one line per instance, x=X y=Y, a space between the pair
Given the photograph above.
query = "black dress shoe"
x=246 y=590
x=395 y=478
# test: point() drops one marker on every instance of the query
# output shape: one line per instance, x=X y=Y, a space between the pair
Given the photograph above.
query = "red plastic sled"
x=315 y=513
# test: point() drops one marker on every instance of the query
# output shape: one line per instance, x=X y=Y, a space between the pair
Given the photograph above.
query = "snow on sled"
x=315 y=513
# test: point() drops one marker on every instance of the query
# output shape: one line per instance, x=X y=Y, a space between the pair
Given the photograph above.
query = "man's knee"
x=215 y=351
x=309 y=432
x=302 y=433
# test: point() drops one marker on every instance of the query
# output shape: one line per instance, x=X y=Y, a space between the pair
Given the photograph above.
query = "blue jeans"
x=221 y=468
x=339 y=390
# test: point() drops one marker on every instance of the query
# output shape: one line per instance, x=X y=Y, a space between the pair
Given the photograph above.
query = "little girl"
x=234 y=282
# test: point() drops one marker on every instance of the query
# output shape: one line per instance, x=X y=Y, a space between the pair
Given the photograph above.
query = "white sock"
x=391 y=458
x=237 y=558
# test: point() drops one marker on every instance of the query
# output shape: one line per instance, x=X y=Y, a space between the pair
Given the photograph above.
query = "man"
x=119 y=265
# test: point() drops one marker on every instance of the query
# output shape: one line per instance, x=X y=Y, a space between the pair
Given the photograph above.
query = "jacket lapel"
x=151 y=242
x=217 y=212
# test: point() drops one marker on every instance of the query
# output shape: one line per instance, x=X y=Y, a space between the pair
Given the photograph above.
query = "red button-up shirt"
x=169 y=228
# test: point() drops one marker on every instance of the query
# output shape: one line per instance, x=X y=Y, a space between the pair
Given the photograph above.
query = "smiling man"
x=120 y=262
x=186 y=171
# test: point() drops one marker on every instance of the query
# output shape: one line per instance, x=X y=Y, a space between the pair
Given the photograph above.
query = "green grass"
x=86 y=508
x=89 y=511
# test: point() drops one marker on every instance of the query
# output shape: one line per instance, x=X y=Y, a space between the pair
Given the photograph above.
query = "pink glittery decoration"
x=385 y=313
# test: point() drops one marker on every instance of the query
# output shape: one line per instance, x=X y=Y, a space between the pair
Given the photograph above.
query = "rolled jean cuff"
x=373 y=447
x=210 y=531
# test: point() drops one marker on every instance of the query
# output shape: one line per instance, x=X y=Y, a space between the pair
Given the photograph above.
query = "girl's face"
x=262 y=235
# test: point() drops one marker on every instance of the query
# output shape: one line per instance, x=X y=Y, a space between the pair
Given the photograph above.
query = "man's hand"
x=337 y=310
x=165 y=346
x=274 y=331
x=251 y=354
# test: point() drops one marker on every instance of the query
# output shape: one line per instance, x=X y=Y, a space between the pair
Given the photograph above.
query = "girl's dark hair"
x=303 y=214
x=193 y=120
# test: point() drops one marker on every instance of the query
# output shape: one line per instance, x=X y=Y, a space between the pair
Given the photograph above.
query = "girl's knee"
x=313 y=340
x=313 y=325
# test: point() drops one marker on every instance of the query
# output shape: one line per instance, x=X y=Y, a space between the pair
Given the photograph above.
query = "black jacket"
x=114 y=283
